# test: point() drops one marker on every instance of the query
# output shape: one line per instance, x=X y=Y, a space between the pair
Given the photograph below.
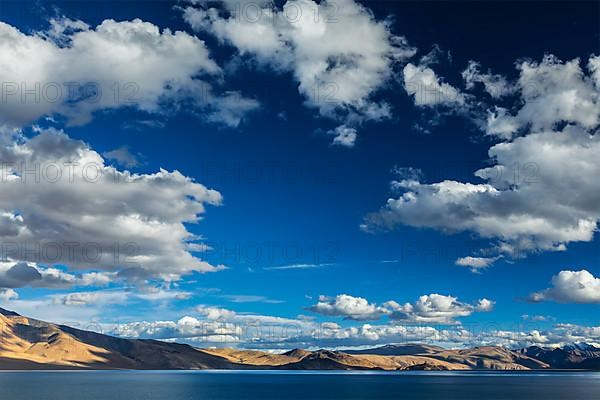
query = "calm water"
x=264 y=385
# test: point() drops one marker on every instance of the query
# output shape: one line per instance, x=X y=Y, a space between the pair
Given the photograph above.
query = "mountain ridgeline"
x=27 y=343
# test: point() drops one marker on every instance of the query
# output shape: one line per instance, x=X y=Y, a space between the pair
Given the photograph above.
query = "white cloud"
x=97 y=298
x=331 y=335
x=216 y=313
x=116 y=64
x=349 y=307
x=495 y=85
x=337 y=51
x=551 y=92
x=571 y=287
x=225 y=328
x=594 y=67
x=216 y=327
x=435 y=308
x=152 y=293
x=434 y=56
x=71 y=209
x=428 y=89
x=86 y=309
x=344 y=136
x=429 y=309
x=231 y=108
x=484 y=305
x=476 y=263
x=7 y=295
x=537 y=318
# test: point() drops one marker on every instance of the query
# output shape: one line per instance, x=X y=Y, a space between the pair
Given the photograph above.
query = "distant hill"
x=573 y=356
x=408 y=349
x=27 y=343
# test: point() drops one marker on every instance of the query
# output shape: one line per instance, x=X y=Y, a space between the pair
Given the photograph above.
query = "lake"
x=264 y=385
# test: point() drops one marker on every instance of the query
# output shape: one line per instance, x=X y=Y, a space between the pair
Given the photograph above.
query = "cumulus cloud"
x=216 y=326
x=187 y=328
x=349 y=307
x=571 y=287
x=61 y=205
x=551 y=92
x=430 y=309
x=215 y=313
x=436 y=308
x=337 y=51
x=74 y=70
x=526 y=209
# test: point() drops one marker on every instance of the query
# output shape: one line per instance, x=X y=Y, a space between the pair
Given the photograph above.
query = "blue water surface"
x=263 y=385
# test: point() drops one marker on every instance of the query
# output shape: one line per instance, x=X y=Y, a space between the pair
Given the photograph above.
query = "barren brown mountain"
x=31 y=344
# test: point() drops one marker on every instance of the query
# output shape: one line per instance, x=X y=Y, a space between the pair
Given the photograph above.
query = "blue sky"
x=326 y=170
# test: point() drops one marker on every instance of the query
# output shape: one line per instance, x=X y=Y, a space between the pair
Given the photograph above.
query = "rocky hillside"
x=31 y=344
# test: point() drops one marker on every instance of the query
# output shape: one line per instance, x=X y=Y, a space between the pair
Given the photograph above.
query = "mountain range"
x=27 y=343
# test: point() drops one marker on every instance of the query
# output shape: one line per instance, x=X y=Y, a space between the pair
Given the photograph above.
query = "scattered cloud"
x=340 y=62
x=527 y=211
x=497 y=86
x=428 y=309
